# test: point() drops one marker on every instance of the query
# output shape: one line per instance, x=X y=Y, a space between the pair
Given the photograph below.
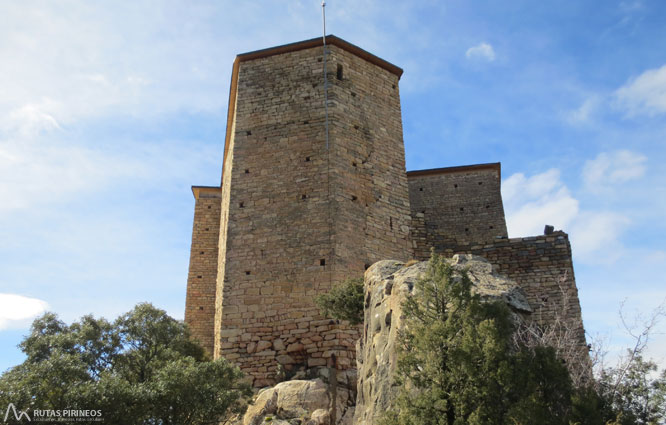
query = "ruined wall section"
x=202 y=276
x=461 y=204
x=368 y=182
x=543 y=267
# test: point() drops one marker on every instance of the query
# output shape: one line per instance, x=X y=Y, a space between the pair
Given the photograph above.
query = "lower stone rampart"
x=541 y=265
x=270 y=352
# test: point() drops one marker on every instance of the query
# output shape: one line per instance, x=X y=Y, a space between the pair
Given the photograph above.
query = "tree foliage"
x=457 y=364
x=344 y=301
x=635 y=394
x=143 y=369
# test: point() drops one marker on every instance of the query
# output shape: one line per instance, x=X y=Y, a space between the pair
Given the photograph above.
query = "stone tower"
x=294 y=214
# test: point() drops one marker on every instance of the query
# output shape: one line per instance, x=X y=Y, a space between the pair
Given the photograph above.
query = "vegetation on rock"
x=461 y=362
x=142 y=369
x=457 y=364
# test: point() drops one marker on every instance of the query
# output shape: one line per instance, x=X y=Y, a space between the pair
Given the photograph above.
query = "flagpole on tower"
x=323 y=17
x=328 y=154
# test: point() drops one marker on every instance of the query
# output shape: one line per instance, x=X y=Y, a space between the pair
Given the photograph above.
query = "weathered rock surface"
x=387 y=284
x=303 y=402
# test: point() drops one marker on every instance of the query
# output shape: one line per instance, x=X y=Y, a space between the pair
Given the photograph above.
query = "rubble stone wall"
x=541 y=265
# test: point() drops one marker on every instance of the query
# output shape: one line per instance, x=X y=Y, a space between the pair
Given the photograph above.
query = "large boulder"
x=303 y=402
x=387 y=284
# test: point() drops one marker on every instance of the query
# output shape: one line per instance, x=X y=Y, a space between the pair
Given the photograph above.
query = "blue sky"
x=110 y=111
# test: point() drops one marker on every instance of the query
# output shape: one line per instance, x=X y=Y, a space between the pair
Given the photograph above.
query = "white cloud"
x=611 y=168
x=77 y=58
x=532 y=202
x=16 y=311
x=42 y=170
x=645 y=94
x=583 y=113
x=595 y=236
x=630 y=6
x=31 y=119
x=37 y=171
x=481 y=51
x=657 y=257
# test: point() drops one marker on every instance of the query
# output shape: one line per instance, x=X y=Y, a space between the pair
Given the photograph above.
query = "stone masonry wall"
x=368 y=182
x=456 y=203
x=201 y=279
x=298 y=218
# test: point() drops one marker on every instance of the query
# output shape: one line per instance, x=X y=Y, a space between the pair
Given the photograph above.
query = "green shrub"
x=344 y=301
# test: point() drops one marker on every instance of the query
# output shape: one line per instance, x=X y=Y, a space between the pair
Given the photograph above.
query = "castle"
x=306 y=202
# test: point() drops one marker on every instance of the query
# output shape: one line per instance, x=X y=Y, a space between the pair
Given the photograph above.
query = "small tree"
x=633 y=395
x=633 y=391
x=141 y=369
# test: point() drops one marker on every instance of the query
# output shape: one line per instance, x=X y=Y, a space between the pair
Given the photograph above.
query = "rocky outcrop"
x=304 y=402
x=387 y=284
